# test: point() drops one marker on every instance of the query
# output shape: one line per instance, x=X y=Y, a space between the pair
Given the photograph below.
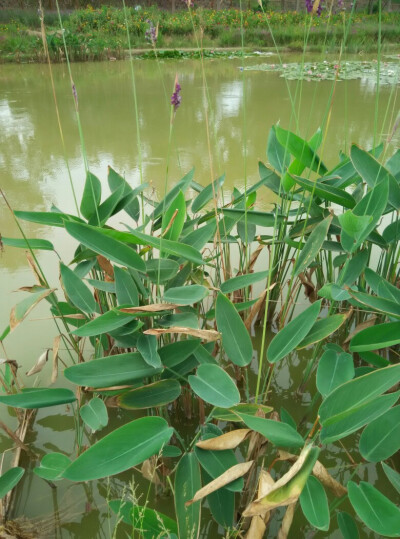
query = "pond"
x=242 y=106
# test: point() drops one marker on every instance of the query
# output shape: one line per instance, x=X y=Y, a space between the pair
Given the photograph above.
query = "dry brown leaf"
x=229 y=440
x=14 y=322
x=254 y=257
x=40 y=363
x=254 y=310
x=257 y=528
x=265 y=484
x=309 y=287
x=260 y=506
x=320 y=473
x=149 y=471
x=287 y=521
x=72 y=316
x=39 y=279
x=56 y=347
x=106 y=266
x=205 y=334
x=327 y=480
x=368 y=323
x=151 y=308
x=227 y=477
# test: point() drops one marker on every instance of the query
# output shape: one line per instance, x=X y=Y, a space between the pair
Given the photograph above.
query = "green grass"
x=98 y=34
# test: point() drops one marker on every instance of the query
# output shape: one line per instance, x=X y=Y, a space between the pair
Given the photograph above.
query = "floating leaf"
x=109 y=371
x=376 y=511
x=123 y=448
x=153 y=395
x=52 y=466
x=286 y=340
x=213 y=385
x=10 y=479
x=236 y=340
x=187 y=483
x=314 y=504
x=38 y=398
x=94 y=414
x=381 y=438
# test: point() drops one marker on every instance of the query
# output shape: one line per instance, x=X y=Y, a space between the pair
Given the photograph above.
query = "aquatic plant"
x=157 y=321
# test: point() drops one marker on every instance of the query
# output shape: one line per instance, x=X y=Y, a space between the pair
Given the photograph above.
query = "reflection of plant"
x=168 y=321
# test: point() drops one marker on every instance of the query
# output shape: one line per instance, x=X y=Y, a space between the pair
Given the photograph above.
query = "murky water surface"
x=34 y=176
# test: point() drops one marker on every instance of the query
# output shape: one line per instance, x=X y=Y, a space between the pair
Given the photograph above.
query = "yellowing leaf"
x=229 y=440
x=206 y=334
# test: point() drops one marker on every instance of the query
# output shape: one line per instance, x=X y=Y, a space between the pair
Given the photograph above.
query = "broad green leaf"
x=187 y=483
x=254 y=217
x=376 y=303
x=94 y=414
x=300 y=149
x=149 y=523
x=372 y=204
x=186 y=320
x=392 y=475
x=107 y=208
x=174 y=218
x=392 y=232
x=246 y=408
x=91 y=196
x=125 y=288
x=208 y=193
x=236 y=340
x=287 y=418
x=201 y=236
x=33 y=244
x=376 y=511
x=182 y=185
x=286 y=340
x=327 y=192
x=131 y=205
x=31 y=399
x=373 y=172
x=186 y=295
x=177 y=352
x=103 y=324
x=313 y=245
x=334 y=369
x=147 y=346
x=279 y=434
x=153 y=395
x=21 y=310
x=93 y=238
x=277 y=155
x=161 y=270
x=314 y=504
x=77 y=291
x=105 y=286
x=120 y=450
x=9 y=479
x=354 y=268
x=322 y=329
x=376 y=337
x=354 y=225
x=354 y=403
x=52 y=466
x=46 y=217
x=347 y=526
x=242 y=281
x=374 y=359
x=381 y=438
x=215 y=386
x=110 y=371
x=297 y=167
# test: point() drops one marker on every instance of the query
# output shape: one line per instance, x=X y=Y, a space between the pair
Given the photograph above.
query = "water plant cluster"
x=156 y=318
x=98 y=34
x=367 y=70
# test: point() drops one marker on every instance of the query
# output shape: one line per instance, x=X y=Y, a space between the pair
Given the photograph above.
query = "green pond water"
x=34 y=176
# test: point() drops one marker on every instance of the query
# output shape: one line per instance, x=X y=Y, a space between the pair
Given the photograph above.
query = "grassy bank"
x=99 y=34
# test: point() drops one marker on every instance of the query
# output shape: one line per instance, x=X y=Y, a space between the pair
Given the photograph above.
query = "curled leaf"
x=40 y=363
x=206 y=334
x=229 y=440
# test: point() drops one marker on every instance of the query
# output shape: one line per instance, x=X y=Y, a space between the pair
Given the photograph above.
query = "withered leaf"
x=229 y=440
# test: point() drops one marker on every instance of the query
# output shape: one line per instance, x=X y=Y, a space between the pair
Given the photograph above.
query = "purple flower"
x=151 y=33
x=176 y=98
x=75 y=94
